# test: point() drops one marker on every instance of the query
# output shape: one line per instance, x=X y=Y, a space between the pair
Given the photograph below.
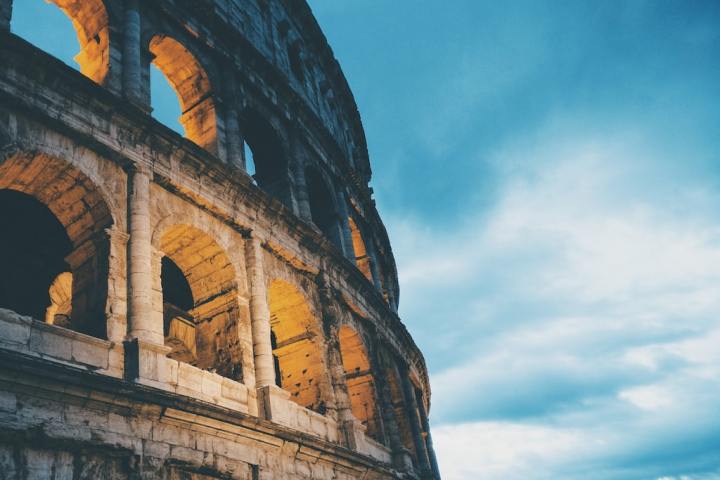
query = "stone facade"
x=164 y=315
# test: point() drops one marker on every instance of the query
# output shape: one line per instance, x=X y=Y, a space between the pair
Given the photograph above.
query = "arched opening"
x=299 y=358
x=264 y=158
x=296 y=62
x=33 y=247
x=322 y=206
x=178 y=323
x=192 y=86
x=362 y=260
x=359 y=380
x=91 y=28
x=54 y=249
x=200 y=309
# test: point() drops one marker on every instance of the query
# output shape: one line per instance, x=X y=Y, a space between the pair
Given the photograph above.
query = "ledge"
x=35 y=374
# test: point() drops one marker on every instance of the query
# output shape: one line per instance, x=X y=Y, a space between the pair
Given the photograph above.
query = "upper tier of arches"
x=292 y=110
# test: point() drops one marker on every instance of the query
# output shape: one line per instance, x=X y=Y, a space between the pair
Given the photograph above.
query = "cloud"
x=595 y=309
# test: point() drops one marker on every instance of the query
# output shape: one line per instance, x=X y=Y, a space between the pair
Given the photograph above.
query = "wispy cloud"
x=595 y=312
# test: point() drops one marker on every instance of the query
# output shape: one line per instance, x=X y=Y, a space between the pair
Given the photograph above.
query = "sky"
x=549 y=175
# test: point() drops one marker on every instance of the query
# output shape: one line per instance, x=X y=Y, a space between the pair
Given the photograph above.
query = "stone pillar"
x=392 y=301
x=402 y=459
x=352 y=429
x=374 y=266
x=411 y=408
x=142 y=324
x=345 y=233
x=428 y=438
x=297 y=166
x=5 y=14
x=259 y=314
x=233 y=135
x=132 y=70
x=116 y=308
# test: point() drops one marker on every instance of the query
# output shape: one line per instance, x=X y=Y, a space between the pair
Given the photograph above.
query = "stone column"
x=259 y=314
x=352 y=428
x=132 y=70
x=401 y=456
x=374 y=266
x=297 y=165
x=392 y=301
x=345 y=233
x=411 y=408
x=5 y=14
x=428 y=438
x=233 y=135
x=117 y=285
x=142 y=324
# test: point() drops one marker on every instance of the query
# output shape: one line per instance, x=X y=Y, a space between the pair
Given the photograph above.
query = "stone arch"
x=192 y=85
x=297 y=336
x=323 y=208
x=268 y=152
x=208 y=334
x=362 y=259
x=92 y=25
x=360 y=380
x=80 y=209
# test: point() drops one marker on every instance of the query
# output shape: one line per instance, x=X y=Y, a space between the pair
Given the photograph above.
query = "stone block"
x=274 y=404
x=145 y=363
x=187 y=455
x=318 y=426
x=235 y=391
x=45 y=342
x=189 y=378
x=15 y=328
x=40 y=464
x=211 y=386
x=169 y=370
x=116 y=361
x=90 y=353
x=8 y=402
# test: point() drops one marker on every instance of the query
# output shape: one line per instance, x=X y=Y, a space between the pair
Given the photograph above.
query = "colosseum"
x=166 y=312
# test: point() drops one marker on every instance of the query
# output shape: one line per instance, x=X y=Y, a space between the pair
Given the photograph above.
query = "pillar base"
x=354 y=433
x=273 y=404
x=145 y=363
x=402 y=460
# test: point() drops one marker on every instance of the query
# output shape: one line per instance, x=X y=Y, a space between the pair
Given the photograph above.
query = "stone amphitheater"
x=164 y=314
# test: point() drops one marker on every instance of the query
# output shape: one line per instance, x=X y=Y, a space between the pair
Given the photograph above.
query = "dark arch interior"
x=266 y=150
x=322 y=207
x=175 y=288
x=33 y=246
x=177 y=295
x=276 y=359
x=295 y=58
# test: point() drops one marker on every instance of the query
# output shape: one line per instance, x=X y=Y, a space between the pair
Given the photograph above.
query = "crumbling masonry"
x=164 y=315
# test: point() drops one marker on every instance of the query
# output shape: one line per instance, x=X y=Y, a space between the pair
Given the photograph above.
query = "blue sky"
x=548 y=173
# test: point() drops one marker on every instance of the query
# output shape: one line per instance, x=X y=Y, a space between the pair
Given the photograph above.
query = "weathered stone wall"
x=277 y=368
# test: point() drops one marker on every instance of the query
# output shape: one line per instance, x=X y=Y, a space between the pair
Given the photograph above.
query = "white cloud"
x=598 y=315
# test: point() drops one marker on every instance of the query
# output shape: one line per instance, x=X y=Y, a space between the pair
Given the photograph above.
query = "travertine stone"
x=259 y=314
x=150 y=348
x=143 y=324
